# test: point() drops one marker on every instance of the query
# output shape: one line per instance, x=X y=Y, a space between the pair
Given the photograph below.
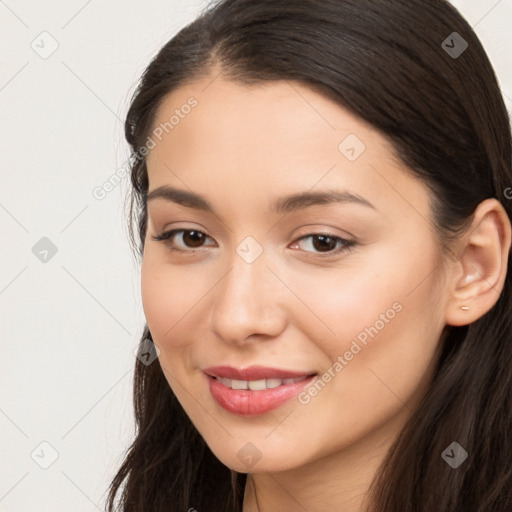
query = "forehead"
x=285 y=116
x=256 y=140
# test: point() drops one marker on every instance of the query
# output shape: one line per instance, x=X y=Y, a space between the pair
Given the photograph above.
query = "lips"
x=254 y=373
x=255 y=390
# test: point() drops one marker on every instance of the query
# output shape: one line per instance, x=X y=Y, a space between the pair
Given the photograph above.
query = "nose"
x=249 y=300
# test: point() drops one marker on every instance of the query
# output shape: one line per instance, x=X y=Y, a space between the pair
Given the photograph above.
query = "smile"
x=255 y=397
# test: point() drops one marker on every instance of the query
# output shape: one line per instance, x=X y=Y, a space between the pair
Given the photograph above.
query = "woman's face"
x=362 y=306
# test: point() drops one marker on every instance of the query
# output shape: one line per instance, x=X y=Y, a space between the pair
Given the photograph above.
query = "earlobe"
x=480 y=272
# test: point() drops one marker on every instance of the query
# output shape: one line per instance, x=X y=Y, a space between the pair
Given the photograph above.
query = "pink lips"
x=246 y=402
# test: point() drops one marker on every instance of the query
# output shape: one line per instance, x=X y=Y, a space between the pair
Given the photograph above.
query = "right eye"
x=194 y=237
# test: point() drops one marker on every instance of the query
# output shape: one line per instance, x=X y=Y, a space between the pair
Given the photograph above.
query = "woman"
x=321 y=190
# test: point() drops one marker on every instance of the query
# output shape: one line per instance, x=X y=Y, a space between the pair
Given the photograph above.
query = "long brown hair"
x=398 y=65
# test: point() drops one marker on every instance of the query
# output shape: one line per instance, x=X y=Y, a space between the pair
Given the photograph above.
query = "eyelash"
x=167 y=235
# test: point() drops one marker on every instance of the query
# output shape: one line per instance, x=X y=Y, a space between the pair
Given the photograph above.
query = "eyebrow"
x=284 y=204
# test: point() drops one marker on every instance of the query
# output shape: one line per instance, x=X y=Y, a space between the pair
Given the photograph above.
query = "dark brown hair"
x=443 y=113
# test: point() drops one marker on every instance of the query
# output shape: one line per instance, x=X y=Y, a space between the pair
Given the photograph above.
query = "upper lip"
x=253 y=373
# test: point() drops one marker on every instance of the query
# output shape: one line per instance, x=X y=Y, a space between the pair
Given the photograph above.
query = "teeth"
x=257 y=385
x=226 y=382
x=273 y=383
x=239 y=384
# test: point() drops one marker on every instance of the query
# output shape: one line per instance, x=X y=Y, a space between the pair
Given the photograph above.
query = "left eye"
x=193 y=239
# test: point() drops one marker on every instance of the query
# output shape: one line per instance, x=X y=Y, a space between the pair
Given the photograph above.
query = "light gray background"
x=69 y=325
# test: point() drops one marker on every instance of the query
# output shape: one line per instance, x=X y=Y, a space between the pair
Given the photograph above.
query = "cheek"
x=337 y=304
x=390 y=290
x=169 y=295
x=377 y=367
x=382 y=314
x=387 y=328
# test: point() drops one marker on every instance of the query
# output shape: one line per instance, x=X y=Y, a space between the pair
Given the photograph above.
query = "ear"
x=479 y=274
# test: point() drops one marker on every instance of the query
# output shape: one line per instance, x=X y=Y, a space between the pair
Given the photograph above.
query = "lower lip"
x=245 y=402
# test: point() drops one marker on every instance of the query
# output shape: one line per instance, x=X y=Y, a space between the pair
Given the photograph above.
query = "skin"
x=241 y=148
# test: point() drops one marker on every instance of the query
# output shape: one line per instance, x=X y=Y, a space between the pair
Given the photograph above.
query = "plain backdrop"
x=70 y=308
